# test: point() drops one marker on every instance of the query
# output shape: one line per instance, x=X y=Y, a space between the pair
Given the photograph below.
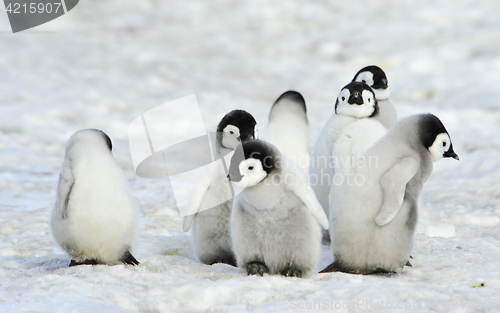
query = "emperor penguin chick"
x=288 y=129
x=94 y=218
x=375 y=77
x=351 y=130
x=276 y=222
x=209 y=199
x=373 y=222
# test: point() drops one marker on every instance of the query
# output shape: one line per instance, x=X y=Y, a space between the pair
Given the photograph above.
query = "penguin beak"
x=234 y=178
x=451 y=154
x=355 y=98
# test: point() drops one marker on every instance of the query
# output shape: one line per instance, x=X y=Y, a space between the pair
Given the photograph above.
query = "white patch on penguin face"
x=440 y=145
x=355 y=110
x=256 y=132
x=382 y=94
x=231 y=136
x=252 y=171
x=366 y=77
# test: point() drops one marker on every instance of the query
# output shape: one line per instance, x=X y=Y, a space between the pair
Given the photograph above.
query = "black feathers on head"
x=379 y=77
x=106 y=139
x=241 y=119
x=429 y=127
x=292 y=96
x=255 y=149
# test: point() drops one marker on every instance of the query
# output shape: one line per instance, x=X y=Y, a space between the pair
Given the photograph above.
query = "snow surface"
x=108 y=61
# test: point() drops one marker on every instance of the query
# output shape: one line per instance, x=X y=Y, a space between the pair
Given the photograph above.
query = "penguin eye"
x=231 y=132
x=369 y=99
x=343 y=98
x=444 y=143
x=250 y=167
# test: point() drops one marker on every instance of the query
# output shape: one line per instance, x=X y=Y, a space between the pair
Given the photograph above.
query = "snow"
x=106 y=62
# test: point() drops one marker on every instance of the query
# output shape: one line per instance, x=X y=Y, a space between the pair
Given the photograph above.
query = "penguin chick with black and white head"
x=212 y=198
x=351 y=130
x=375 y=77
x=288 y=129
x=373 y=219
x=276 y=220
x=94 y=218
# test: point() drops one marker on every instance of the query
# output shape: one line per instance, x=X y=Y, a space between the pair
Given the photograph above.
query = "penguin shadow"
x=380 y=272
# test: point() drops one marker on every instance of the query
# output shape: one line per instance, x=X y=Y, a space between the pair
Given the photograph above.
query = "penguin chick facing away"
x=211 y=222
x=346 y=135
x=288 y=129
x=276 y=220
x=94 y=217
x=373 y=219
x=375 y=77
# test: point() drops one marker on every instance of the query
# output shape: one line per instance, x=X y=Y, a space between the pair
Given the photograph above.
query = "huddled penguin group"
x=356 y=188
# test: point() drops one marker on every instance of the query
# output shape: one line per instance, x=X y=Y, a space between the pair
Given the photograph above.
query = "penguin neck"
x=266 y=194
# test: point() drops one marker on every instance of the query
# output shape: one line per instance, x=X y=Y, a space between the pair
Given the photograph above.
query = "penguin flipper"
x=188 y=220
x=301 y=189
x=393 y=184
x=197 y=195
x=66 y=182
x=128 y=258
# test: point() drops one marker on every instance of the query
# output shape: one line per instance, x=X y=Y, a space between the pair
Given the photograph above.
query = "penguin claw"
x=254 y=268
x=128 y=258
x=290 y=272
x=85 y=262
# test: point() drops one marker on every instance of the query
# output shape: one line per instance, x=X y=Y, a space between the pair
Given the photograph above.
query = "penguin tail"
x=128 y=258
x=334 y=267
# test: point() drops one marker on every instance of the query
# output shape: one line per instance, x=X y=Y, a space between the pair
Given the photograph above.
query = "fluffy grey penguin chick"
x=375 y=77
x=94 y=218
x=373 y=221
x=211 y=224
x=276 y=220
x=346 y=135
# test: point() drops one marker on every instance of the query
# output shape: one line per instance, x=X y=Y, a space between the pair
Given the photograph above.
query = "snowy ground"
x=106 y=62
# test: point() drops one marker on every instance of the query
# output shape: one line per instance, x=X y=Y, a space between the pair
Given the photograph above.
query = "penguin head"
x=90 y=136
x=357 y=100
x=435 y=138
x=374 y=77
x=257 y=160
x=290 y=101
x=235 y=127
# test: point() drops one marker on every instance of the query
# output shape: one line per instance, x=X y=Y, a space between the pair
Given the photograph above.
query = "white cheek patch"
x=229 y=140
x=344 y=95
x=365 y=76
x=252 y=171
x=440 y=145
x=382 y=94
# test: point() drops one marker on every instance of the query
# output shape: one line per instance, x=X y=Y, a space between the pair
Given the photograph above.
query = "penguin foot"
x=336 y=267
x=85 y=262
x=225 y=257
x=292 y=272
x=128 y=258
x=254 y=268
x=228 y=261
